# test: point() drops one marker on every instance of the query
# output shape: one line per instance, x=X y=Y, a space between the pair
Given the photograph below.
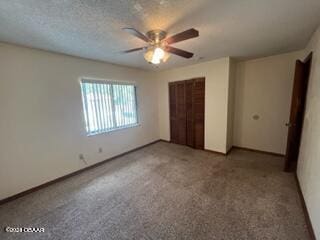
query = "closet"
x=186 y=100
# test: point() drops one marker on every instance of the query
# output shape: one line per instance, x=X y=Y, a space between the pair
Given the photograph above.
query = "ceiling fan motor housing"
x=157 y=35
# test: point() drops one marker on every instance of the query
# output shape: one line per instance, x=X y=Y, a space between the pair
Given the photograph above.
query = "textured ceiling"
x=92 y=28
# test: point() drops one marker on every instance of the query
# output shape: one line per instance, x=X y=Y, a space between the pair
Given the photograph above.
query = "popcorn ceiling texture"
x=166 y=191
x=92 y=28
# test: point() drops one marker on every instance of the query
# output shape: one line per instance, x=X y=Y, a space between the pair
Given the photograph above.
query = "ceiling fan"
x=159 y=49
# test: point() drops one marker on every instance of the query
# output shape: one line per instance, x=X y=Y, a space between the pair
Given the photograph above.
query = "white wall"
x=216 y=74
x=309 y=158
x=264 y=88
x=41 y=124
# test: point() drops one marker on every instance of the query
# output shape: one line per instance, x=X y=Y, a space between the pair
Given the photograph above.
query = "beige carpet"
x=166 y=191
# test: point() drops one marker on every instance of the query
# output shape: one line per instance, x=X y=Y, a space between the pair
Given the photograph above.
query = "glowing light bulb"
x=158 y=54
x=155 y=60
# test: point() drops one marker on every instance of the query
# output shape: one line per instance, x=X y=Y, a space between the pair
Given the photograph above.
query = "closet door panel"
x=186 y=100
x=189 y=113
x=198 y=109
x=173 y=113
x=181 y=113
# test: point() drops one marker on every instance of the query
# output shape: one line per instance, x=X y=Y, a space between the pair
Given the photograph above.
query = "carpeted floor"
x=166 y=191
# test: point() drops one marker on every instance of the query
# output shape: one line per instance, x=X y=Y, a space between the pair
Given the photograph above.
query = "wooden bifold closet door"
x=187 y=112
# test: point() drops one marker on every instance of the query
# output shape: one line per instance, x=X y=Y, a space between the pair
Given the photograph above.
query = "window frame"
x=111 y=82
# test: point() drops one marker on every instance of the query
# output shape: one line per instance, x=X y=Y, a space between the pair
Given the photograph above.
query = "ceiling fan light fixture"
x=158 y=48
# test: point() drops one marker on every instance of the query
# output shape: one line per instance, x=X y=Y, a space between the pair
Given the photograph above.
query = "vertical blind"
x=108 y=105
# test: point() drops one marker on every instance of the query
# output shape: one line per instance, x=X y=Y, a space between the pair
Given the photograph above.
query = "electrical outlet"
x=81 y=157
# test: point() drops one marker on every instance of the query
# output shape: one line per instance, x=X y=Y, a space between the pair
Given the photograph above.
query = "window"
x=108 y=105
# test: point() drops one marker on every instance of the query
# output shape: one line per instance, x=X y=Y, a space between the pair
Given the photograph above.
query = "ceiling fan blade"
x=190 y=33
x=136 y=33
x=134 y=50
x=179 y=52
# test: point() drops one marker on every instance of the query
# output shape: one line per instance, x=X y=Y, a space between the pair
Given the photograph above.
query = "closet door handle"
x=290 y=124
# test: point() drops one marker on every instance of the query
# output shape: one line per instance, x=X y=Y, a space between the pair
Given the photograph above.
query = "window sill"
x=114 y=130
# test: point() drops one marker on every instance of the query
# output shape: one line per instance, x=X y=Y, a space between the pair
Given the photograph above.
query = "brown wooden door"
x=178 y=125
x=186 y=100
x=190 y=113
x=181 y=113
x=173 y=112
x=298 y=100
x=198 y=111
